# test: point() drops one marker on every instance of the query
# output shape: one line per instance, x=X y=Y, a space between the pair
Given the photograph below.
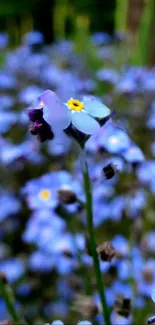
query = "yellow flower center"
x=45 y=194
x=75 y=105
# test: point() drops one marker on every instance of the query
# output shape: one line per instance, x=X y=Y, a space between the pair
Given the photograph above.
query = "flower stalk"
x=89 y=214
x=8 y=297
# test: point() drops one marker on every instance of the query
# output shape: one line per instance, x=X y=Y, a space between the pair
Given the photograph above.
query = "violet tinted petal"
x=55 y=113
x=85 y=123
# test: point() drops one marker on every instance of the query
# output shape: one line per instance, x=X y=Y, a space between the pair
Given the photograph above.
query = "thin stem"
x=7 y=295
x=89 y=212
x=67 y=216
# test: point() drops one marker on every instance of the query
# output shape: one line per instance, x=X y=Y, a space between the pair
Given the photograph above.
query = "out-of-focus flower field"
x=44 y=247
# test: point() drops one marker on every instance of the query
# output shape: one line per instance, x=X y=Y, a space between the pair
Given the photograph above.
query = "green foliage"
x=121 y=15
x=143 y=47
x=15 y=7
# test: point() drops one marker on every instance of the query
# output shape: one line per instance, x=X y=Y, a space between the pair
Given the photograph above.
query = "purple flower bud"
x=35 y=114
x=32 y=130
x=45 y=133
x=38 y=126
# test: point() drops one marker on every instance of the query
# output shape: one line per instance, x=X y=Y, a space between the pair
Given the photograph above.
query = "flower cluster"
x=45 y=251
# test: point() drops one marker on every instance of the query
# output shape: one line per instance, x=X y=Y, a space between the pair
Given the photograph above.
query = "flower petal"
x=153 y=294
x=55 y=113
x=95 y=108
x=85 y=123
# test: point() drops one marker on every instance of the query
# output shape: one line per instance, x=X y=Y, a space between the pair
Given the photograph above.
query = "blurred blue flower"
x=24 y=289
x=149 y=240
x=101 y=38
x=107 y=75
x=6 y=101
x=55 y=308
x=44 y=262
x=39 y=261
x=122 y=288
x=7 y=120
x=4 y=314
x=42 y=227
x=26 y=151
x=110 y=138
x=146 y=174
x=33 y=37
x=120 y=320
x=136 y=202
x=4 y=40
x=133 y=154
x=10 y=205
x=7 y=81
x=27 y=94
x=57 y=322
x=13 y=268
x=121 y=245
x=146 y=280
x=60 y=145
x=42 y=192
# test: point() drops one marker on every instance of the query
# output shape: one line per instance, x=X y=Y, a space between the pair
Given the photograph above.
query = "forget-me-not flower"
x=81 y=114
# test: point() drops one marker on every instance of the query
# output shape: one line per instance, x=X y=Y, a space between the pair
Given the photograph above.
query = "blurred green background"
x=58 y=19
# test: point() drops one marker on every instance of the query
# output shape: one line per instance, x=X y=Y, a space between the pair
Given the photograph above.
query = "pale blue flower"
x=81 y=114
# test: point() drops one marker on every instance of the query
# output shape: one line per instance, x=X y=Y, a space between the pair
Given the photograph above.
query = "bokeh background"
x=102 y=48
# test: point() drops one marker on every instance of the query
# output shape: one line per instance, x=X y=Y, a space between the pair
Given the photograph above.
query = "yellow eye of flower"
x=75 y=105
x=45 y=194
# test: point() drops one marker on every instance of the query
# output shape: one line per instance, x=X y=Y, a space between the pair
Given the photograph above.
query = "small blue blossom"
x=10 y=205
x=120 y=320
x=32 y=38
x=107 y=75
x=27 y=94
x=7 y=120
x=53 y=309
x=24 y=289
x=26 y=151
x=57 y=322
x=4 y=40
x=6 y=102
x=39 y=261
x=43 y=226
x=7 y=81
x=13 y=269
x=4 y=312
x=133 y=154
x=101 y=38
x=81 y=114
x=121 y=245
x=42 y=192
x=110 y=138
x=60 y=145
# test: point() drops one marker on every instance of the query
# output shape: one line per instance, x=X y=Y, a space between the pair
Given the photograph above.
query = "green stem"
x=89 y=212
x=7 y=295
x=64 y=213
